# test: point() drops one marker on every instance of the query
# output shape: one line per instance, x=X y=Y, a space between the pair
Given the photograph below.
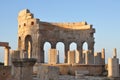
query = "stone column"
x=79 y=48
x=87 y=58
x=7 y=56
x=103 y=56
x=115 y=53
x=66 y=50
x=23 y=69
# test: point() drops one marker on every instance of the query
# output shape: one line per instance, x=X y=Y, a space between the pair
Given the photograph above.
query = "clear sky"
x=104 y=15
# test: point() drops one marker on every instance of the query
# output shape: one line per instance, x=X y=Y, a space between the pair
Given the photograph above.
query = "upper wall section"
x=24 y=15
x=49 y=31
x=74 y=25
x=67 y=25
x=26 y=18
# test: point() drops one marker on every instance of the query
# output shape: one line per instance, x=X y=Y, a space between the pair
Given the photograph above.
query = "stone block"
x=80 y=75
x=15 y=54
x=48 y=73
x=85 y=72
x=23 y=69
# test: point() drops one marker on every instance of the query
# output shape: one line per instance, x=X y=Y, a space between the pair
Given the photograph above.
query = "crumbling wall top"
x=70 y=25
x=24 y=15
x=23 y=12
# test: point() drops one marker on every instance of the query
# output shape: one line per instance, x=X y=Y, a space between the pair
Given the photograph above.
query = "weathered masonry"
x=33 y=33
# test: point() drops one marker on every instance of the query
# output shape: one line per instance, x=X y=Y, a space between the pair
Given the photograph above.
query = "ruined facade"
x=33 y=33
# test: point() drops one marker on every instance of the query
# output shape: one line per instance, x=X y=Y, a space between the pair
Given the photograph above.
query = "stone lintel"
x=5 y=44
x=24 y=62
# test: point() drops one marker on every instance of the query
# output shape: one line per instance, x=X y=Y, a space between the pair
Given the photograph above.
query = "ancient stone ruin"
x=27 y=62
x=33 y=33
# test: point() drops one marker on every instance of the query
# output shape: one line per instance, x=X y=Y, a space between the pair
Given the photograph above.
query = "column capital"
x=8 y=47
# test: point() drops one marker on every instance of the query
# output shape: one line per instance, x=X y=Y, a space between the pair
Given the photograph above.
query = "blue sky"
x=104 y=15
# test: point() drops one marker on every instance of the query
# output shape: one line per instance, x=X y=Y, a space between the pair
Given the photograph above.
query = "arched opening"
x=47 y=47
x=2 y=54
x=28 y=45
x=85 y=46
x=84 y=52
x=32 y=23
x=73 y=46
x=61 y=49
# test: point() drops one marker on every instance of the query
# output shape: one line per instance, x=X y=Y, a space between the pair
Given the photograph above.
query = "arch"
x=28 y=46
x=73 y=46
x=61 y=49
x=46 y=47
x=84 y=51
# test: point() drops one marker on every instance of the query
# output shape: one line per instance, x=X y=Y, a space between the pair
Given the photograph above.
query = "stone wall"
x=48 y=73
x=65 y=69
x=5 y=73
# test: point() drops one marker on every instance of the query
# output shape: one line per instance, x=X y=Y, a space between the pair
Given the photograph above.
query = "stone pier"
x=113 y=66
x=53 y=56
x=98 y=59
x=88 y=58
x=23 y=69
x=71 y=57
